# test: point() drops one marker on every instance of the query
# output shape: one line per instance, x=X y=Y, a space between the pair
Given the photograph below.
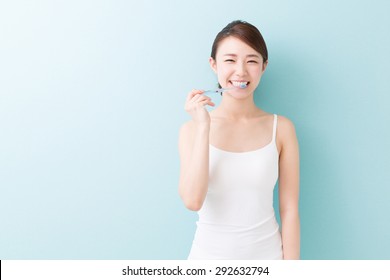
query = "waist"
x=224 y=234
x=259 y=240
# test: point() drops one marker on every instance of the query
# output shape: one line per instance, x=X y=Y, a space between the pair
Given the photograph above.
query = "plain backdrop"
x=91 y=102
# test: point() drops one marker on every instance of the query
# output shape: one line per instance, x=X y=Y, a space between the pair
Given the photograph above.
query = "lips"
x=239 y=84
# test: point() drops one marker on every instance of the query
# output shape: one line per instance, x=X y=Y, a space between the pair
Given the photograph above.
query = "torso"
x=241 y=136
x=237 y=218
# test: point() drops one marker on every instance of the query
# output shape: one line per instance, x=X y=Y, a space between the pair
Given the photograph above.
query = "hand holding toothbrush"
x=196 y=101
x=195 y=106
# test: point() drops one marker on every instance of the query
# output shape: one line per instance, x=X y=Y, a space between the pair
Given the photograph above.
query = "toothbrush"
x=220 y=90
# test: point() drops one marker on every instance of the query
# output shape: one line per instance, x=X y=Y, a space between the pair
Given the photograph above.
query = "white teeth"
x=239 y=84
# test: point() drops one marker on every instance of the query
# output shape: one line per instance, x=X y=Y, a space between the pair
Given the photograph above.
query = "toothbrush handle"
x=218 y=90
x=213 y=91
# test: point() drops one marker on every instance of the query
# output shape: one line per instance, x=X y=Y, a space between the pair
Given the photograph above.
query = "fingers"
x=207 y=102
x=195 y=104
x=201 y=100
x=197 y=96
x=193 y=93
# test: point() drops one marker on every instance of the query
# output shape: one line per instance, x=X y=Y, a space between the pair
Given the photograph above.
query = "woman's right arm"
x=194 y=151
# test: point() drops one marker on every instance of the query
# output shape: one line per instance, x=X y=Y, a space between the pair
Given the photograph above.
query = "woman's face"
x=238 y=64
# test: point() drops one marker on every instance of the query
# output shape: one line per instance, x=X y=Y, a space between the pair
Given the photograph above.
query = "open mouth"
x=240 y=84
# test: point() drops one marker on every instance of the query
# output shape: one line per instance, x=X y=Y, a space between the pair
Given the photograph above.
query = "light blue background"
x=91 y=101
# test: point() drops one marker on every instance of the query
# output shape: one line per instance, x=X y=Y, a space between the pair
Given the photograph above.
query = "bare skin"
x=238 y=125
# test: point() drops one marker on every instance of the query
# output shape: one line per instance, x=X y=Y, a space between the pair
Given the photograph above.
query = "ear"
x=265 y=65
x=213 y=64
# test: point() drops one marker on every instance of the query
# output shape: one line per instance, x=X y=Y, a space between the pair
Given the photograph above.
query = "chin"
x=240 y=95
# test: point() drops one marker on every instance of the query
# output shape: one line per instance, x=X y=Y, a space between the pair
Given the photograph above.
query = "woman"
x=231 y=158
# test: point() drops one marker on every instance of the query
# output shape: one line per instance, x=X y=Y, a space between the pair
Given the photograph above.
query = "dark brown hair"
x=244 y=31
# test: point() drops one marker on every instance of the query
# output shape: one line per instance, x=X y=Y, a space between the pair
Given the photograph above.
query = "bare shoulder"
x=285 y=125
x=285 y=133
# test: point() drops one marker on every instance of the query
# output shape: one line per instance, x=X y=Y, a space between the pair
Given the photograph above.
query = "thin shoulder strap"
x=274 y=128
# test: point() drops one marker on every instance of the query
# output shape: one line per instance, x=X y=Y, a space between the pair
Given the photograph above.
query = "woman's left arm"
x=289 y=188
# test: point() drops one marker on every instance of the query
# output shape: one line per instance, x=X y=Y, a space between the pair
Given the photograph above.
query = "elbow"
x=192 y=203
x=194 y=207
x=192 y=195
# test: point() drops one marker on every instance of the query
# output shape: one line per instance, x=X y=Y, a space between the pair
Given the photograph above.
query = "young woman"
x=232 y=157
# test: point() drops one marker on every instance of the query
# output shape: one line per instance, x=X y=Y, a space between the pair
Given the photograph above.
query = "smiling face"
x=239 y=66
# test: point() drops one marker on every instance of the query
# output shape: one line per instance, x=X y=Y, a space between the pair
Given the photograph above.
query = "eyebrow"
x=249 y=55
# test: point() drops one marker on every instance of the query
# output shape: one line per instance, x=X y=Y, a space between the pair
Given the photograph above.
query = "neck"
x=237 y=109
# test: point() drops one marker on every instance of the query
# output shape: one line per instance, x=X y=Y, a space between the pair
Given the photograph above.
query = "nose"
x=240 y=69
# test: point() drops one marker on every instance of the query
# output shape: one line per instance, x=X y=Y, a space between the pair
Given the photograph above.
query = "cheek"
x=257 y=71
x=223 y=72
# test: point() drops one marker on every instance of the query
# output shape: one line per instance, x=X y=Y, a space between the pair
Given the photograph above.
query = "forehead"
x=233 y=45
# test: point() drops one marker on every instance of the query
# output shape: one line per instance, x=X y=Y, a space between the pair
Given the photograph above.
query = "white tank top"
x=237 y=219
